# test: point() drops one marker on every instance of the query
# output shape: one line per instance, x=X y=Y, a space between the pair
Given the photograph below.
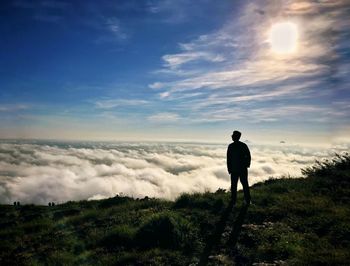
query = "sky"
x=175 y=70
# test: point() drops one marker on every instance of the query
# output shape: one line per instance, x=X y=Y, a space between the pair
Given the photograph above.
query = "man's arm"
x=248 y=157
x=228 y=159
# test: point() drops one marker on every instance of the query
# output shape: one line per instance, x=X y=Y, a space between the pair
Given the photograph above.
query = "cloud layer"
x=43 y=172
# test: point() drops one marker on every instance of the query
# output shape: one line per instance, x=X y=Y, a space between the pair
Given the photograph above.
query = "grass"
x=303 y=221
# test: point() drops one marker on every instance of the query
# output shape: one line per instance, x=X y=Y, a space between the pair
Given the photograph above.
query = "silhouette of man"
x=238 y=160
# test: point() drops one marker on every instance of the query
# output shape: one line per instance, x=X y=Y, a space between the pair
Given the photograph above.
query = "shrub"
x=183 y=201
x=119 y=236
x=326 y=167
x=166 y=230
x=66 y=212
x=152 y=257
x=87 y=216
x=206 y=201
x=37 y=225
x=117 y=200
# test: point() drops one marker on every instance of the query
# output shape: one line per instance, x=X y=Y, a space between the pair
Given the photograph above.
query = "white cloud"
x=113 y=26
x=112 y=103
x=40 y=173
x=174 y=12
x=13 y=107
x=164 y=117
x=239 y=67
x=174 y=61
x=310 y=113
x=156 y=85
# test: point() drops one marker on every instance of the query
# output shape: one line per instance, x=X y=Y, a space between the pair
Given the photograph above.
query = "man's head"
x=236 y=135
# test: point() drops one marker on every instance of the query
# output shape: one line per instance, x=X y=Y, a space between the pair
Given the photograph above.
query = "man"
x=238 y=160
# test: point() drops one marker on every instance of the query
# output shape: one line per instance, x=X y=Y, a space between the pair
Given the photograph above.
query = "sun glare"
x=283 y=37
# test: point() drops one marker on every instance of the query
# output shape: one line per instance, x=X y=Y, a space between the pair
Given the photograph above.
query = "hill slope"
x=291 y=222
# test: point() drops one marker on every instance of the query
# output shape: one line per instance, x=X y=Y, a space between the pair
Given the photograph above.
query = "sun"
x=283 y=37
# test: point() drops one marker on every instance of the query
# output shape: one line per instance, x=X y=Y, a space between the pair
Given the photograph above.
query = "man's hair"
x=236 y=135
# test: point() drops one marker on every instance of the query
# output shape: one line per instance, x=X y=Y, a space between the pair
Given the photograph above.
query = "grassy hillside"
x=302 y=221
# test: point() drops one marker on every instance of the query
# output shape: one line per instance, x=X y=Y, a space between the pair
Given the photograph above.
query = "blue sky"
x=173 y=70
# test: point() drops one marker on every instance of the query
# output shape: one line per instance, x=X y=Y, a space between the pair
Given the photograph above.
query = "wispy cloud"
x=164 y=118
x=110 y=29
x=173 y=12
x=49 y=4
x=310 y=114
x=95 y=16
x=182 y=11
x=112 y=103
x=113 y=25
x=177 y=60
x=156 y=85
x=13 y=107
x=51 y=11
x=234 y=66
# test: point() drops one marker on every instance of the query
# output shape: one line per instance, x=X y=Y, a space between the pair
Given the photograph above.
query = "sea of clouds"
x=40 y=172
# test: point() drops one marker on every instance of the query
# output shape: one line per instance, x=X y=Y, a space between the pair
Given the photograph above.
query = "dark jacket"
x=238 y=156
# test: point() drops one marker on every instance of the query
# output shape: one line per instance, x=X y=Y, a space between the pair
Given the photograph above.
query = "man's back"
x=238 y=160
x=238 y=156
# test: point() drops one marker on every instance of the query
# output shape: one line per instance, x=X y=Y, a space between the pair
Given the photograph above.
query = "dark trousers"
x=242 y=175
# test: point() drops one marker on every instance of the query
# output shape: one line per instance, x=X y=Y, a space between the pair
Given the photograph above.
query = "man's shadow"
x=237 y=226
x=219 y=229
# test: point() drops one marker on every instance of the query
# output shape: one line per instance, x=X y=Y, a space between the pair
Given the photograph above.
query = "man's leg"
x=234 y=180
x=244 y=182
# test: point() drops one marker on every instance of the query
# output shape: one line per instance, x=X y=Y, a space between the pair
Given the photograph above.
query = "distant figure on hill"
x=238 y=160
